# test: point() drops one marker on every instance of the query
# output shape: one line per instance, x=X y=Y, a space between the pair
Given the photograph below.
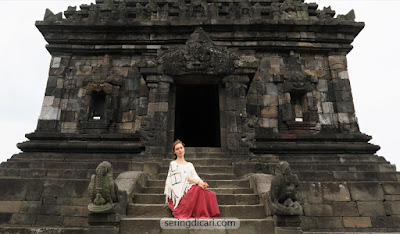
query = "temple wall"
x=313 y=87
x=73 y=80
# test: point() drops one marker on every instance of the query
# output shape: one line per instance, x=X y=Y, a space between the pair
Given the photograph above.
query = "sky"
x=373 y=68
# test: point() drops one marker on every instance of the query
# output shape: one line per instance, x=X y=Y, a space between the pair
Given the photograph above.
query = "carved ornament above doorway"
x=198 y=56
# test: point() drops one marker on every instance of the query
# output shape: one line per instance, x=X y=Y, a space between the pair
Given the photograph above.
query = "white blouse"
x=177 y=183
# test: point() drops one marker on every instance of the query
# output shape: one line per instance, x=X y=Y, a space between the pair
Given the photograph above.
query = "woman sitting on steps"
x=186 y=193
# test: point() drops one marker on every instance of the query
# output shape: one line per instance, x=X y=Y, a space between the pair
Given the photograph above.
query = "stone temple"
x=245 y=84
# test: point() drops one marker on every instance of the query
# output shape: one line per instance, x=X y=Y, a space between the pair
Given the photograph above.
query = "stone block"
x=392 y=207
x=337 y=62
x=5 y=218
x=131 y=181
x=270 y=100
x=343 y=75
x=382 y=222
x=327 y=107
x=345 y=209
x=322 y=85
x=60 y=83
x=15 y=190
x=396 y=220
x=271 y=89
x=392 y=197
x=75 y=222
x=310 y=193
x=308 y=223
x=325 y=119
x=357 y=222
x=345 y=107
x=24 y=219
x=49 y=220
x=34 y=190
x=69 y=127
x=10 y=206
x=391 y=188
x=387 y=168
x=346 y=95
x=375 y=208
x=73 y=211
x=50 y=113
x=261 y=183
x=151 y=168
x=318 y=210
x=344 y=118
x=56 y=62
x=368 y=191
x=335 y=191
x=125 y=126
x=269 y=112
x=83 y=70
x=48 y=100
x=50 y=210
x=329 y=222
x=31 y=207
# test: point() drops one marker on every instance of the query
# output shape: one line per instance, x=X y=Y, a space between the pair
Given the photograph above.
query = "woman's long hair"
x=173 y=147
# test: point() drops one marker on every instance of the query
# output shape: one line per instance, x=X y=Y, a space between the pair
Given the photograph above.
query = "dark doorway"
x=197 y=115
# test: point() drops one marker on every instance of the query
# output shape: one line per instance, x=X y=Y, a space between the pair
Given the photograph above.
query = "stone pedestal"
x=107 y=219
x=287 y=224
x=288 y=230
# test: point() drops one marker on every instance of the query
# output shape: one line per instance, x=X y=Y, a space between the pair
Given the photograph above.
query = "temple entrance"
x=197 y=115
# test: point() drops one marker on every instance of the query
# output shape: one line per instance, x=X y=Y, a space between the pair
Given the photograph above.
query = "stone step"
x=206 y=169
x=212 y=183
x=206 y=162
x=33 y=156
x=160 y=190
x=345 y=176
x=117 y=165
x=162 y=210
x=333 y=158
x=354 y=167
x=205 y=176
x=152 y=226
x=51 y=173
x=223 y=199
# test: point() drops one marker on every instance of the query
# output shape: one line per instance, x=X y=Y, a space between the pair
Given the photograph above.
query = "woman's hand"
x=203 y=184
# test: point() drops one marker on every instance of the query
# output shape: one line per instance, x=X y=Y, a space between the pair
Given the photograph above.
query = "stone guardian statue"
x=284 y=189
x=101 y=189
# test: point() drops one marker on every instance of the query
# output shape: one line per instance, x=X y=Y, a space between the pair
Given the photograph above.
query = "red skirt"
x=197 y=203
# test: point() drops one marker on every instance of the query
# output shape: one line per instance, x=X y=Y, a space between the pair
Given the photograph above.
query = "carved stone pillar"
x=235 y=113
x=158 y=114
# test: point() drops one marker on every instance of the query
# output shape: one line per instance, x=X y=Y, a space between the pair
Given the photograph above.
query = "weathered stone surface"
x=357 y=222
x=336 y=191
x=345 y=209
x=392 y=207
x=330 y=222
x=382 y=222
x=371 y=208
x=261 y=183
x=391 y=188
x=310 y=193
x=366 y=191
x=10 y=206
x=318 y=210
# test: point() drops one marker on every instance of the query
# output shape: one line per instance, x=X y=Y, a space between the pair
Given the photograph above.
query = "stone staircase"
x=235 y=197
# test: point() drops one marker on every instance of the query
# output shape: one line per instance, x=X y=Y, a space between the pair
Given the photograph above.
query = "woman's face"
x=179 y=150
